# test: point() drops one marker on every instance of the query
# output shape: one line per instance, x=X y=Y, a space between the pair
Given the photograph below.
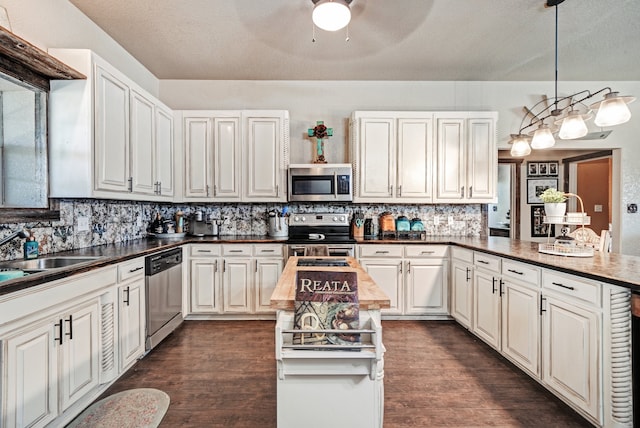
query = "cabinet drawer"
x=380 y=251
x=486 y=261
x=237 y=250
x=418 y=251
x=130 y=269
x=462 y=254
x=268 y=250
x=205 y=250
x=574 y=286
x=521 y=272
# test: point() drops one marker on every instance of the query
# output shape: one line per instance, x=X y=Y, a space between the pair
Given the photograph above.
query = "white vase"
x=555 y=211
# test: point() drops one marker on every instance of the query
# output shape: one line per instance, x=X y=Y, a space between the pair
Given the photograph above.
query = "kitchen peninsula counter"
x=370 y=296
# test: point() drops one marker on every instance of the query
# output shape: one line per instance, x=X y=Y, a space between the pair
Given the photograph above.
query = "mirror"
x=23 y=145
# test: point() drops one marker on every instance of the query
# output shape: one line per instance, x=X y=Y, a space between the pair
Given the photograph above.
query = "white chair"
x=586 y=236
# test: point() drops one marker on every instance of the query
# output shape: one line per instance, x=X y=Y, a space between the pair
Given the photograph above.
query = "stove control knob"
x=341 y=218
x=304 y=218
x=296 y=218
x=335 y=218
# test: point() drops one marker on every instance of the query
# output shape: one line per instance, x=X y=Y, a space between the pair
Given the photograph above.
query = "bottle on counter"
x=31 y=248
x=368 y=227
x=179 y=222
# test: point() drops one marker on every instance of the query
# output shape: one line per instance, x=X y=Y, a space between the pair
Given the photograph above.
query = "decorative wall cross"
x=320 y=132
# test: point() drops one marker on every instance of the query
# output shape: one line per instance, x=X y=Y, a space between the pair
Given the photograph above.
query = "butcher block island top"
x=370 y=296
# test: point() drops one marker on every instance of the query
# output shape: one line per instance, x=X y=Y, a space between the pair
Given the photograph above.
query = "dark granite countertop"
x=617 y=269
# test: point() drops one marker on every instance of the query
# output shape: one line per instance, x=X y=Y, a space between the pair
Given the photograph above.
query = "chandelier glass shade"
x=520 y=145
x=331 y=15
x=573 y=126
x=612 y=110
x=542 y=137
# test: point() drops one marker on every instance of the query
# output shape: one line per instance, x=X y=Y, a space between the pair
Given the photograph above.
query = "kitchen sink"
x=45 y=263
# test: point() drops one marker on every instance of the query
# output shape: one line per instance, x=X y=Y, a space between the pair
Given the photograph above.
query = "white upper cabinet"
x=108 y=137
x=392 y=156
x=237 y=156
x=467 y=157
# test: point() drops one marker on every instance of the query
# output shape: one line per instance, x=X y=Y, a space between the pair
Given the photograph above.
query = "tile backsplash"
x=122 y=221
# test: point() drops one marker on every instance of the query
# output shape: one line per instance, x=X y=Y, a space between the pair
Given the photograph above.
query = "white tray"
x=565 y=250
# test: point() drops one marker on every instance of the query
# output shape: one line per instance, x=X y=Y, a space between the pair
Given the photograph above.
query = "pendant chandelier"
x=331 y=15
x=566 y=116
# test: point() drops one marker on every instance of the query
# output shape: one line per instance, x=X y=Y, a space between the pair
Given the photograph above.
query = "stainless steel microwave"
x=320 y=182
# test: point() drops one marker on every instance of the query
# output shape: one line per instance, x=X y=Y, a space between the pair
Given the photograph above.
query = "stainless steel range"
x=310 y=229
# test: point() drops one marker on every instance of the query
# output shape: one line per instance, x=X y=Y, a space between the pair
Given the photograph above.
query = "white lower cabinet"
x=415 y=277
x=51 y=364
x=233 y=278
x=131 y=312
x=462 y=286
x=571 y=340
x=486 y=307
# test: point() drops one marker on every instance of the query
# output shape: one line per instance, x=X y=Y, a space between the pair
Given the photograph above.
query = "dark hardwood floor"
x=223 y=374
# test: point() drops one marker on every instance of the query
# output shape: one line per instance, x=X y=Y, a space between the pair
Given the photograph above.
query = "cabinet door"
x=164 y=153
x=143 y=149
x=521 y=326
x=111 y=133
x=30 y=366
x=388 y=275
x=236 y=285
x=451 y=174
x=376 y=160
x=415 y=159
x=131 y=322
x=482 y=160
x=426 y=287
x=205 y=284
x=79 y=356
x=570 y=358
x=486 y=308
x=462 y=293
x=263 y=148
x=268 y=273
x=227 y=158
x=197 y=150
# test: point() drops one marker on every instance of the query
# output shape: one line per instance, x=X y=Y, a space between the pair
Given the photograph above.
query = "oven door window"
x=312 y=185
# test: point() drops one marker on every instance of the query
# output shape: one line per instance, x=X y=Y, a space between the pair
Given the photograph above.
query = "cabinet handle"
x=126 y=299
x=70 y=321
x=60 y=332
x=267 y=251
x=159 y=187
x=215 y=266
x=391 y=190
x=471 y=191
x=493 y=283
x=382 y=252
x=542 y=299
x=427 y=252
x=408 y=267
x=277 y=190
x=400 y=266
x=484 y=262
x=207 y=189
x=215 y=190
x=462 y=191
x=468 y=272
x=568 y=287
x=400 y=190
x=136 y=269
x=515 y=271
x=256 y=271
x=501 y=284
x=235 y=251
x=203 y=251
x=224 y=266
x=130 y=184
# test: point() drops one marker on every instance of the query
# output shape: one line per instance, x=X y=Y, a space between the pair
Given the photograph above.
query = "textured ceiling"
x=389 y=39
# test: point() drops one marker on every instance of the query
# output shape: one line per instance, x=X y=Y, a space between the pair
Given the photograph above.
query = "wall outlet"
x=83 y=224
x=436 y=220
x=597 y=208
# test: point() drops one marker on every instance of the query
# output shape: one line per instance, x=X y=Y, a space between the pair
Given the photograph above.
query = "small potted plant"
x=554 y=204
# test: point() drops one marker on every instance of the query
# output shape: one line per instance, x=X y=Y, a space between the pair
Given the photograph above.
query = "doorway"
x=504 y=216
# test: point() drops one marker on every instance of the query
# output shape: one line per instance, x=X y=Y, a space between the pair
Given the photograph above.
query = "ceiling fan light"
x=612 y=110
x=520 y=146
x=542 y=138
x=573 y=126
x=331 y=15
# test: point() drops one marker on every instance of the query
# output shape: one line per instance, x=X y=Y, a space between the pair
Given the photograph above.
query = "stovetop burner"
x=319 y=228
x=323 y=262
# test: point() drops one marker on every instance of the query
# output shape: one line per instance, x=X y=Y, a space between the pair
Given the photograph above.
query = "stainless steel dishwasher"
x=164 y=295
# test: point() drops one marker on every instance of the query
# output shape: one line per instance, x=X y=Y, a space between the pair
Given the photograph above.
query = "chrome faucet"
x=18 y=233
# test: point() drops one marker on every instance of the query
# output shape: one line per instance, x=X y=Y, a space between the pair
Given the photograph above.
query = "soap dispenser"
x=31 y=248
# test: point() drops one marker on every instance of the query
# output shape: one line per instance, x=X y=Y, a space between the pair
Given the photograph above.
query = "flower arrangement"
x=552 y=195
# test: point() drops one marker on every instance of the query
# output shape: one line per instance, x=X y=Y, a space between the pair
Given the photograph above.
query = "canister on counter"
x=368 y=227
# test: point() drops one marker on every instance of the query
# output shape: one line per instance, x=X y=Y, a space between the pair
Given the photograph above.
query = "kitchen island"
x=334 y=385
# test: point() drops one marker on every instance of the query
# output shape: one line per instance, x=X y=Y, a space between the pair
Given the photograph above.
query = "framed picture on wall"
x=535 y=186
x=539 y=229
x=532 y=169
x=543 y=168
x=553 y=168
